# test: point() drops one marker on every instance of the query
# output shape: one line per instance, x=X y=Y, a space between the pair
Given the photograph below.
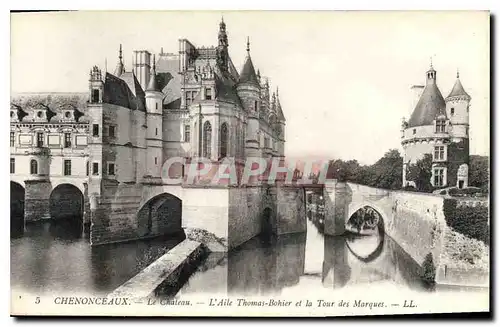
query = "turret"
x=248 y=90
x=457 y=109
x=154 y=122
x=96 y=85
x=154 y=96
x=223 y=44
x=120 y=68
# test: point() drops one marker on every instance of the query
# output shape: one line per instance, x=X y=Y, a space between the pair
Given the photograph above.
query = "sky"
x=344 y=78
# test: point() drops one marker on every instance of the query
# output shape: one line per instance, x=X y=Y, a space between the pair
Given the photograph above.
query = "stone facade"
x=439 y=127
x=112 y=142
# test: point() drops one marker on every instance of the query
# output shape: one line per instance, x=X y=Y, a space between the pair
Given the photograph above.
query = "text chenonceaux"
x=77 y=300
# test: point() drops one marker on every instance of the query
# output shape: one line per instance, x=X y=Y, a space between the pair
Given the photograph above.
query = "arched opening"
x=365 y=221
x=268 y=223
x=16 y=209
x=161 y=215
x=207 y=139
x=66 y=208
x=33 y=167
x=224 y=135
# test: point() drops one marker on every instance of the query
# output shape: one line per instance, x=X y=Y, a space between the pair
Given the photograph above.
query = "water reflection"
x=302 y=260
x=55 y=256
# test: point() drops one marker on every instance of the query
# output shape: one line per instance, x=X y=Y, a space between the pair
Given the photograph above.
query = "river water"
x=53 y=257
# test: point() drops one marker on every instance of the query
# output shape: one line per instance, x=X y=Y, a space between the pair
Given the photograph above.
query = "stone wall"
x=244 y=214
x=291 y=209
x=36 y=203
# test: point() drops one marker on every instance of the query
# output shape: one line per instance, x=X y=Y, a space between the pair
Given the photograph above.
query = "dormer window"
x=12 y=114
x=452 y=111
x=414 y=131
x=67 y=114
x=39 y=114
x=95 y=96
x=208 y=93
x=440 y=126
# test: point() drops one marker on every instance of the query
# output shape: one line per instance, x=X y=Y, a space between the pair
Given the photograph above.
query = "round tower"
x=248 y=89
x=154 y=121
x=457 y=109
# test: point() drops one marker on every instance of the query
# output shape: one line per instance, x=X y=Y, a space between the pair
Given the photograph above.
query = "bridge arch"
x=66 y=201
x=17 y=195
x=367 y=214
x=161 y=214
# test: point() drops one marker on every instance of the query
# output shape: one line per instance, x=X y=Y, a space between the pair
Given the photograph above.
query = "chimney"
x=416 y=91
x=142 y=67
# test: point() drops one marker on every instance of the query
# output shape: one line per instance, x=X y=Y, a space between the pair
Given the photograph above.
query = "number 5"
x=37 y=300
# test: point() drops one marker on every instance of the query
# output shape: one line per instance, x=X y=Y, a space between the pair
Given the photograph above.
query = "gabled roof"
x=124 y=91
x=429 y=106
x=169 y=80
x=458 y=90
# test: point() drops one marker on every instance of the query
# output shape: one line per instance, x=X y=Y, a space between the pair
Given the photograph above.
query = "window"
x=440 y=126
x=156 y=160
x=39 y=140
x=266 y=142
x=39 y=114
x=12 y=138
x=466 y=131
x=223 y=140
x=190 y=95
x=111 y=131
x=111 y=169
x=439 y=177
x=156 y=105
x=439 y=152
x=67 y=140
x=95 y=168
x=95 y=96
x=414 y=131
x=207 y=139
x=12 y=165
x=256 y=105
x=156 y=131
x=187 y=133
x=67 y=167
x=95 y=130
x=67 y=114
x=33 y=167
x=208 y=93
x=87 y=168
x=452 y=111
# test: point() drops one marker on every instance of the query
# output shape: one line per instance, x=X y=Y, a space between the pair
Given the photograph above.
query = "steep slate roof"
x=458 y=90
x=430 y=105
x=169 y=80
x=54 y=102
x=248 y=72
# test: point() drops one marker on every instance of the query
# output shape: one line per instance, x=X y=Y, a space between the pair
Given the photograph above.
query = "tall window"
x=440 y=126
x=187 y=133
x=452 y=111
x=12 y=165
x=190 y=95
x=111 y=169
x=256 y=105
x=39 y=140
x=438 y=176
x=87 y=168
x=208 y=93
x=95 y=96
x=207 y=139
x=67 y=140
x=111 y=131
x=224 y=135
x=266 y=142
x=67 y=167
x=95 y=168
x=12 y=138
x=439 y=152
x=95 y=130
x=33 y=167
x=414 y=131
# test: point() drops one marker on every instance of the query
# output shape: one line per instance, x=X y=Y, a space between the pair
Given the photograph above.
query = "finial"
x=154 y=62
x=105 y=65
x=277 y=92
x=248 y=44
x=222 y=18
x=431 y=62
x=458 y=73
x=161 y=51
x=120 y=56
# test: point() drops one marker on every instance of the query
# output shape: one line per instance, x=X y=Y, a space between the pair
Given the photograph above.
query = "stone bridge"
x=414 y=220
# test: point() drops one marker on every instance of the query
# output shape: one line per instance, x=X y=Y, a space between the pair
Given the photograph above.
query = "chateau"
x=440 y=127
x=116 y=138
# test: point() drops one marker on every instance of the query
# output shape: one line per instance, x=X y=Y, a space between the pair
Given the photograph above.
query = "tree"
x=479 y=171
x=421 y=173
x=387 y=171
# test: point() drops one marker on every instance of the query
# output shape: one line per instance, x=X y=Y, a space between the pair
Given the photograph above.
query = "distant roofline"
x=417 y=86
x=48 y=93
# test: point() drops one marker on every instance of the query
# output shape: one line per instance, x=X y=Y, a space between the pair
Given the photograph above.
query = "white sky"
x=344 y=77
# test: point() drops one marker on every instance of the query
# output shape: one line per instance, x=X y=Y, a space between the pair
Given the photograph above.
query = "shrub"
x=443 y=192
x=428 y=269
x=469 y=191
x=469 y=221
x=410 y=188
